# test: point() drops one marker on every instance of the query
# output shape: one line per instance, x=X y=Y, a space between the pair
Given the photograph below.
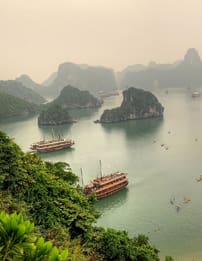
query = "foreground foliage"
x=116 y=245
x=17 y=241
x=47 y=193
x=46 y=189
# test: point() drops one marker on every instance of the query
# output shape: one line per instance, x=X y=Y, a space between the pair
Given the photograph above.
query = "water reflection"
x=135 y=127
x=79 y=114
x=55 y=131
x=13 y=120
x=114 y=201
x=59 y=155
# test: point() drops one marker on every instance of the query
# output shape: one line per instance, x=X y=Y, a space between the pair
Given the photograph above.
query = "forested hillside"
x=11 y=106
x=17 y=89
x=49 y=195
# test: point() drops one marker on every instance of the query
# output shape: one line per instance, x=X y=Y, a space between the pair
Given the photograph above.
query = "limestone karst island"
x=136 y=104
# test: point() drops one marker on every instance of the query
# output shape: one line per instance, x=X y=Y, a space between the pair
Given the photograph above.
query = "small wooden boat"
x=187 y=200
x=172 y=200
x=196 y=94
x=178 y=207
x=199 y=178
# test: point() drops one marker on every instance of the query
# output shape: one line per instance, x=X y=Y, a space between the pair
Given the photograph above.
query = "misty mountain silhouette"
x=96 y=79
x=186 y=73
x=91 y=78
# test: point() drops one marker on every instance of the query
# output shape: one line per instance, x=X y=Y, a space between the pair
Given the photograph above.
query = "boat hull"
x=44 y=150
x=109 y=193
x=49 y=146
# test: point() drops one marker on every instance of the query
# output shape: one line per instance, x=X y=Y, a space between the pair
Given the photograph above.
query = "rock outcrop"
x=73 y=98
x=54 y=115
x=11 y=107
x=136 y=104
x=57 y=111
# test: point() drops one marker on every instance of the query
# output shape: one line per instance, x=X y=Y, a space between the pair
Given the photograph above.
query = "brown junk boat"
x=51 y=145
x=107 y=185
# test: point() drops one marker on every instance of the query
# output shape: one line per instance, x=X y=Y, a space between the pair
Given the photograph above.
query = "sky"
x=38 y=35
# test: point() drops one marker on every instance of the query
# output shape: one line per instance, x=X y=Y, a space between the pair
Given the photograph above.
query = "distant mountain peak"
x=192 y=56
x=27 y=81
x=24 y=77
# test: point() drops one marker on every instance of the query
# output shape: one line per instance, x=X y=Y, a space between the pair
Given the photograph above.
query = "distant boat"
x=186 y=200
x=108 y=94
x=172 y=200
x=105 y=186
x=178 y=207
x=196 y=94
x=199 y=178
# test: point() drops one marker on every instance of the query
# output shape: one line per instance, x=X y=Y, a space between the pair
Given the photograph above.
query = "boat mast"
x=82 y=183
x=52 y=132
x=100 y=169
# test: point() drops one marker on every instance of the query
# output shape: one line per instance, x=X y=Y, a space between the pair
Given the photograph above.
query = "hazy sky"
x=38 y=35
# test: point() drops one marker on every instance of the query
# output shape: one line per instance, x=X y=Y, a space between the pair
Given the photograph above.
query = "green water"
x=155 y=174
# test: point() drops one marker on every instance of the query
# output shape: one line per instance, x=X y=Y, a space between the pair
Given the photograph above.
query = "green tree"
x=115 y=245
x=47 y=189
x=17 y=241
x=169 y=258
x=63 y=171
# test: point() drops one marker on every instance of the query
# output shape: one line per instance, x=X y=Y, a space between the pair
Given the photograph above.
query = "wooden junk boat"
x=51 y=145
x=105 y=186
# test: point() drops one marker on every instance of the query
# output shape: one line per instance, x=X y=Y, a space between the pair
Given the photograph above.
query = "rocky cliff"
x=18 y=90
x=91 y=78
x=73 y=98
x=57 y=111
x=136 y=104
x=11 y=107
x=54 y=115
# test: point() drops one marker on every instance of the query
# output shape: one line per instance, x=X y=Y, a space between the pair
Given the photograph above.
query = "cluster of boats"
x=186 y=200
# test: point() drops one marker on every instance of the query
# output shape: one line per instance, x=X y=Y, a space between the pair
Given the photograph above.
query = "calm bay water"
x=156 y=174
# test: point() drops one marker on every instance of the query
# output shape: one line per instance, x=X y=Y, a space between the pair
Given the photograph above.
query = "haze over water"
x=156 y=173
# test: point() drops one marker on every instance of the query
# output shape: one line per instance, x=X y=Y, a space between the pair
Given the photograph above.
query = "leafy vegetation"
x=47 y=193
x=113 y=245
x=51 y=198
x=17 y=241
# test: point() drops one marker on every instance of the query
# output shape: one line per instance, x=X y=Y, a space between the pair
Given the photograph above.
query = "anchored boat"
x=51 y=145
x=196 y=94
x=105 y=186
